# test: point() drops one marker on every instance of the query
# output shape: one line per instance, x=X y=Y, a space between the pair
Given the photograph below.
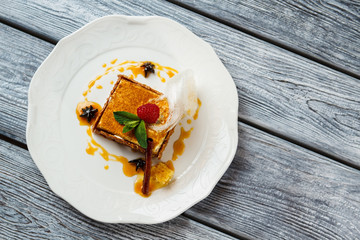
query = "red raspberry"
x=148 y=112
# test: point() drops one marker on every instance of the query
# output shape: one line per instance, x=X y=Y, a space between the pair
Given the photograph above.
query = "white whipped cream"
x=180 y=92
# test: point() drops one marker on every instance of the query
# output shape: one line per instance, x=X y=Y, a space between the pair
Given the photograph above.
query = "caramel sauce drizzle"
x=91 y=149
x=170 y=165
x=135 y=68
x=128 y=169
x=90 y=85
x=84 y=104
x=94 y=147
x=179 y=145
x=139 y=184
x=197 y=110
x=170 y=74
x=161 y=78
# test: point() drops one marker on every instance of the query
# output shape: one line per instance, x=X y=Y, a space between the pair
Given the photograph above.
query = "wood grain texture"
x=21 y=55
x=276 y=190
x=279 y=91
x=273 y=190
x=325 y=30
x=30 y=210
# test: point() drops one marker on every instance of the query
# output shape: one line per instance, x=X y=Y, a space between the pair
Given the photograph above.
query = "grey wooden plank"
x=273 y=190
x=25 y=53
x=324 y=30
x=279 y=91
x=294 y=195
x=30 y=210
x=21 y=55
x=276 y=190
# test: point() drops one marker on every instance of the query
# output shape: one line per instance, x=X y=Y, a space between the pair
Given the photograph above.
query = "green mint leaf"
x=130 y=125
x=140 y=134
x=122 y=117
x=127 y=129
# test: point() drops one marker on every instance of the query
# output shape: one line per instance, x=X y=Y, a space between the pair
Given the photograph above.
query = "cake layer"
x=127 y=95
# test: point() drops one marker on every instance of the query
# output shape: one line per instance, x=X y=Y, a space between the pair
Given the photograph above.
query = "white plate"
x=57 y=143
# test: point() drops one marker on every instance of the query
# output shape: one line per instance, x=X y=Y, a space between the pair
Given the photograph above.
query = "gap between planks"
x=28 y=31
x=13 y=142
x=266 y=39
x=242 y=120
x=207 y=224
x=300 y=144
x=216 y=227
x=250 y=124
x=222 y=21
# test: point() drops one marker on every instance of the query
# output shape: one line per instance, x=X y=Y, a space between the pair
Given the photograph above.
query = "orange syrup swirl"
x=93 y=147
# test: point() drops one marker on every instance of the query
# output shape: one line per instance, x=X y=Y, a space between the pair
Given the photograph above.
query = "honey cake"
x=127 y=95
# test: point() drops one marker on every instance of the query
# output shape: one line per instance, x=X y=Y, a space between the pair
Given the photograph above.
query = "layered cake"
x=127 y=96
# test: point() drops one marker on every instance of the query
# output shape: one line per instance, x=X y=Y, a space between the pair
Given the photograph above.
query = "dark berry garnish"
x=139 y=163
x=148 y=68
x=89 y=113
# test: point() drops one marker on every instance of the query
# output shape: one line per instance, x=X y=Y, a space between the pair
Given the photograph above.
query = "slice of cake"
x=127 y=95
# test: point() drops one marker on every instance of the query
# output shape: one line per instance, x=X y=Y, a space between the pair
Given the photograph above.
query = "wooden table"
x=296 y=173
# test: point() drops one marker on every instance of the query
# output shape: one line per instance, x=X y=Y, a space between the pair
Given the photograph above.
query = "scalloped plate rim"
x=31 y=110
